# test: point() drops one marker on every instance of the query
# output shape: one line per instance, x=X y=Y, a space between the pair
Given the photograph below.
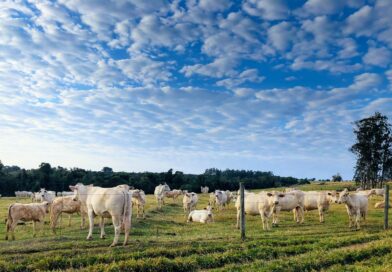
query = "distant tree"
x=1 y=167
x=337 y=178
x=373 y=150
x=45 y=170
x=107 y=170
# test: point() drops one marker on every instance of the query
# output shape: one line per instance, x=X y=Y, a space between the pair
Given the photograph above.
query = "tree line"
x=14 y=178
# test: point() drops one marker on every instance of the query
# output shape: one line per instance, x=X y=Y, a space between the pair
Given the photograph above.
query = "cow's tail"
x=127 y=210
x=9 y=220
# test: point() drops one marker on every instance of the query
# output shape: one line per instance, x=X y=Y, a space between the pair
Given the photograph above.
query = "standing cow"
x=356 y=205
x=318 y=201
x=173 y=194
x=114 y=202
x=139 y=201
x=204 y=190
x=189 y=202
x=280 y=201
x=160 y=193
x=221 y=199
x=25 y=212
x=66 y=204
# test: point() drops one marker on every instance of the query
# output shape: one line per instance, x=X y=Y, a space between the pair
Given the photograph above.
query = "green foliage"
x=12 y=179
x=373 y=149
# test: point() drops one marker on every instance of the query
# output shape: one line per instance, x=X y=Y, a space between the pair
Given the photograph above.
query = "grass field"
x=165 y=242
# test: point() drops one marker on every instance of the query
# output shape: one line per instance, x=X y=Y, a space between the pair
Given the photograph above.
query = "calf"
x=173 y=194
x=139 y=200
x=356 y=205
x=25 y=212
x=189 y=202
x=202 y=216
x=66 y=204
x=255 y=204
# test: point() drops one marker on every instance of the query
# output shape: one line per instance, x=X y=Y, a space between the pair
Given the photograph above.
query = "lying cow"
x=319 y=201
x=139 y=200
x=381 y=205
x=173 y=194
x=189 y=202
x=25 y=212
x=115 y=202
x=356 y=205
x=255 y=204
x=202 y=216
x=66 y=204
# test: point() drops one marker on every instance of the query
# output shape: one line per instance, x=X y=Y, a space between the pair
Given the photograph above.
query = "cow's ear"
x=72 y=188
x=269 y=194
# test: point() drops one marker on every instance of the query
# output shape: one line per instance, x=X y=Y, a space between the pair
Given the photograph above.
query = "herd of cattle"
x=117 y=202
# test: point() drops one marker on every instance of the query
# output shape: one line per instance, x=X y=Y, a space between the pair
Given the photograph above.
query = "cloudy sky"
x=189 y=85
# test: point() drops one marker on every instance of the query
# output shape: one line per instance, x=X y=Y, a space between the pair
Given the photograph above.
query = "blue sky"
x=189 y=85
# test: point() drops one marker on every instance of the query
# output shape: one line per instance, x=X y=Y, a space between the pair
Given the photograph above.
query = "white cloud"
x=268 y=10
x=377 y=56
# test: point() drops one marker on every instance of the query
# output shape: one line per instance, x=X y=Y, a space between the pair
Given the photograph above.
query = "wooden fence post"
x=386 y=206
x=242 y=206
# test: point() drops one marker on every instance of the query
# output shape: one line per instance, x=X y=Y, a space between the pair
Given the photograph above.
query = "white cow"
x=255 y=204
x=66 y=204
x=25 y=212
x=173 y=194
x=356 y=205
x=139 y=200
x=280 y=201
x=202 y=216
x=221 y=199
x=204 y=190
x=367 y=193
x=379 y=192
x=381 y=205
x=48 y=196
x=160 y=192
x=320 y=201
x=189 y=201
x=115 y=202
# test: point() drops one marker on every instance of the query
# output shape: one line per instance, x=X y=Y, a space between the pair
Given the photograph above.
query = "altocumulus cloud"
x=153 y=85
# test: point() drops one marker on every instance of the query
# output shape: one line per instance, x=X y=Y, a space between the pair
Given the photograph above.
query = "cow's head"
x=218 y=193
x=274 y=197
x=80 y=191
x=343 y=197
x=332 y=196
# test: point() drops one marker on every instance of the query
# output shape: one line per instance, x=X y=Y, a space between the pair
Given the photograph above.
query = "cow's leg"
x=350 y=220
x=53 y=222
x=358 y=219
x=90 y=214
x=69 y=220
x=295 y=214
x=321 y=214
x=102 y=226
x=34 y=229
x=82 y=220
x=117 y=229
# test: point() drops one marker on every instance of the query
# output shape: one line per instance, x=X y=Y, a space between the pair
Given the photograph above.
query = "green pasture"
x=165 y=242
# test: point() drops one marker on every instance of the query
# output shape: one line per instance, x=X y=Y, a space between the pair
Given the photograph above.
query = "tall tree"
x=373 y=150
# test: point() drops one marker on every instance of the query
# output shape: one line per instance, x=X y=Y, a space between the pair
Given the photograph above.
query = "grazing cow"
x=66 y=204
x=280 y=201
x=139 y=200
x=356 y=205
x=202 y=216
x=255 y=204
x=160 y=192
x=25 y=212
x=114 y=202
x=189 y=202
x=204 y=190
x=319 y=201
x=381 y=205
x=367 y=193
x=379 y=192
x=173 y=194
x=221 y=199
